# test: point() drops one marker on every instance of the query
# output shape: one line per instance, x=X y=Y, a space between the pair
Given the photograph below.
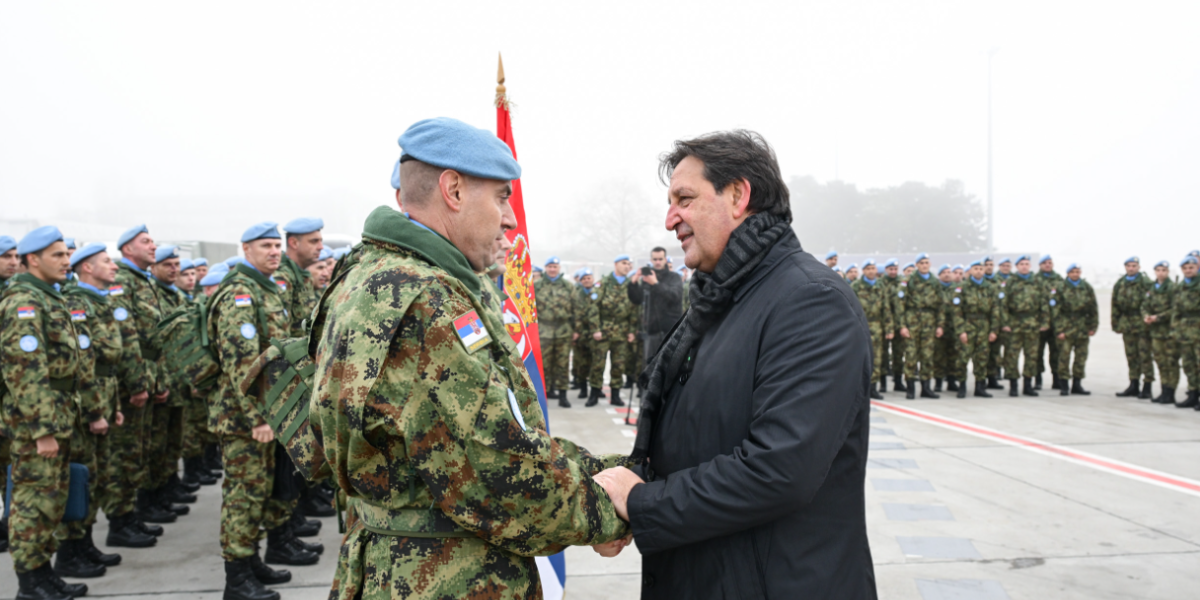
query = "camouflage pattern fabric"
x=39 y=501
x=875 y=300
x=922 y=313
x=615 y=317
x=946 y=350
x=247 y=508
x=996 y=355
x=556 y=303
x=5 y=456
x=166 y=443
x=299 y=295
x=1024 y=308
x=1162 y=343
x=1127 y=297
x=1185 y=323
x=1074 y=312
x=443 y=433
x=1048 y=339
x=581 y=362
x=975 y=311
x=136 y=310
x=893 y=359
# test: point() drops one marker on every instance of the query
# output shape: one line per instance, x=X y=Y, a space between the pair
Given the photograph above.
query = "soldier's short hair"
x=732 y=155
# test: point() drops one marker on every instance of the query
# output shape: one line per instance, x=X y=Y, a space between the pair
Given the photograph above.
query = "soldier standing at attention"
x=186 y=282
x=201 y=265
x=447 y=465
x=613 y=328
x=1127 y=296
x=166 y=430
x=875 y=299
x=556 y=301
x=921 y=321
x=41 y=371
x=244 y=315
x=8 y=268
x=893 y=360
x=1156 y=313
x=852 y=272
x=1185 y=323
x=945 y=351
x=585 y=304
x=1024 y=314
x=976 y=315
x=1052 y=282
x=831 y=259
x=996 y=353
x=1077 y=317
x=304 y=245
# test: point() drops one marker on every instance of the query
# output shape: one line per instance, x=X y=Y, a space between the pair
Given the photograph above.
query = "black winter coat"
x=662 y=304
x=759 y=458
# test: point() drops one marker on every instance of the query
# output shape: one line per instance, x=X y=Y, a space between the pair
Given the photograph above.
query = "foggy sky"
x=276 y=110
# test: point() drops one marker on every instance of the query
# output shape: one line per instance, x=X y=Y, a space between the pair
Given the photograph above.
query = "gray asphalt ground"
x=950 y=515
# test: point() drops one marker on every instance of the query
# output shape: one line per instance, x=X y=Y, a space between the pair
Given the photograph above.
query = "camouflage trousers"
x=1048 y=339
x=1077 y=342
x=84 y=446
x=166 y=445
x=377 y=567
x=977 y=351
x=919 y=349
x=893 y=360
x=1139 y=355
x=581 y=359
x=618 y=347
x=1166 y=354
x=555 y=363
x=247 y=507
x=125 y=458
x=1188 y=340
x=39 y=500
x=877 y=350
x=996 y=354
x=1021 y=341
x=945 y=355
x=196 y=435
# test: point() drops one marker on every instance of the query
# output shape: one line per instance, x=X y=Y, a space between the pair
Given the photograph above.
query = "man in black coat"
x=753 y=433
x=660 y=294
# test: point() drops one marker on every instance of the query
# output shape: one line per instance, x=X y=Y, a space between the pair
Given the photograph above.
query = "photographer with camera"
x=659 y=291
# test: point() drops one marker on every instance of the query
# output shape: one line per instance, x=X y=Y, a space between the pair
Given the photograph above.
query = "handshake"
x=617 y=482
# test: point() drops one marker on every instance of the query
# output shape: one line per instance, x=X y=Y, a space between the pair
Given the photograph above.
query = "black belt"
x=150 y=354
x=64 y=384
x=106 y=369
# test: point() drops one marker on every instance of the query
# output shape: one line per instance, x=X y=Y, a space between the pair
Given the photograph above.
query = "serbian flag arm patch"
x=26 y=312
x=242 y=300
x=471 y=331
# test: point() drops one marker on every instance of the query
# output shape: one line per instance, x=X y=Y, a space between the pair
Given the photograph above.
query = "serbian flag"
x=520 y=317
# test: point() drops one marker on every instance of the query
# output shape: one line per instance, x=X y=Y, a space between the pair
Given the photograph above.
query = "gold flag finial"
x=501 y=99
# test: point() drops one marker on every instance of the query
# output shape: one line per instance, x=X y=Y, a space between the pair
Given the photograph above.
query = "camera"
x=645 y=271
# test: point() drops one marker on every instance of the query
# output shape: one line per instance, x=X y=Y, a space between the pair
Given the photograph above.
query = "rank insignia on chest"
x=26 y=312
x=116 y=290
x=471 y=331
x=79 y=315
x=282 y=285
x=243 y=300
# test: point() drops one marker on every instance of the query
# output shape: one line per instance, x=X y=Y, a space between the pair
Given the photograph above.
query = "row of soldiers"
x=928 y=329
x=99 y=369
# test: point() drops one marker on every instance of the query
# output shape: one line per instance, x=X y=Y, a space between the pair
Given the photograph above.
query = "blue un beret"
x=258 y=231
x=340 y=252
x=1005 y=260
x=39 y=239
x=830 y=254
x=1133 y=259
x=553 y=260
x=1021 y=258
x=621 y=258
x=325 y=254
x=890 y=262
x=1044 y=259
x=920 y=257
x=1072 y=267
x=537 y=269
x=185 y=264
x=1188 y=259
x=304 y=225
x=958 y=267
x=985 y=259
x=976 y=263
x=868 y=262
x=215 y=275
x=232 y=262
x=1162 y=263
x=165 y=252
x=200 y=262
x=852 y=266
x=7 y=243
x=943 y=268
x=587 y=271
x=86 y=252
x=451 y=144
x=70 y=242
x=130 y=234
x=908 y=265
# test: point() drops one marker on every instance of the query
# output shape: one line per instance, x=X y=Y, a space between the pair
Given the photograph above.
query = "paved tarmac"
x=977 y=499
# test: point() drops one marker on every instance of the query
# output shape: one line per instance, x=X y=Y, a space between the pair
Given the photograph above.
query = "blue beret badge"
x=120 y=314
x=29 y=343
x=85 y=342
x=248 y=331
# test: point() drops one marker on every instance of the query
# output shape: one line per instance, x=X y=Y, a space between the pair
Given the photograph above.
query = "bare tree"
x=618 y=218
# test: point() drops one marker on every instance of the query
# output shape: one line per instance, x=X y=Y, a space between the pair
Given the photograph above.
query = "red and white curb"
x=630 y=430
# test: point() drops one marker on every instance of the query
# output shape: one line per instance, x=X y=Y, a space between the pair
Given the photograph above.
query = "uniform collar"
x=978 y=281
x=91 y=288
x=868 y=280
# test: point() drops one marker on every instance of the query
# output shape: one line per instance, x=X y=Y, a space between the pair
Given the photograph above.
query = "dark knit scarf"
x=711 y=295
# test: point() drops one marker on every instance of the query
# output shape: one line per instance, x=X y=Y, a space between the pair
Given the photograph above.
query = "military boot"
x=1055 y=383
x=883 y=383
x=1037 y=382
x=1130 y=391
x=69 y=561
x=194 y=472
x=1029 y=389
x=212 y=460
x=1012 y=388
x=150 y=511
x=282 y=549
x=4 y=535
x=146 y=528
x=562 y=399
x=1167 y=397
x=177 y=491
x=314 y=547
x=927 y=390
x=164 y=497
x=583 y=391
x=74 y=590
x=1191 y=402
x=962 y=390
x=265 y=574
x=899 y=384
x=875 y=395
x=952 y=385
x=1147 y=392
x=1064 y=390
x=123 y=532
x=981 y=390
x=616 y=397
x=911 y=389
x=241 y=584
x=594 y=397
x=993 y=383
x=937 y=387
x=1077 y=387
x=312 y=505
x=303 y=527
x=34 y=585
x=90 y=550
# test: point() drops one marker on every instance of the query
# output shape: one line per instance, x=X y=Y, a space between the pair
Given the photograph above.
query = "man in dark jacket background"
x=752 y=438
x=660 y=294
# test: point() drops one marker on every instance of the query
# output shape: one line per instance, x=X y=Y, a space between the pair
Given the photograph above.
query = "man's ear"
x=739 y=196
x=453 y=185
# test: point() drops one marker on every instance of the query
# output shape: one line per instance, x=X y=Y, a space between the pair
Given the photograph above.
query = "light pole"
x=991 y=216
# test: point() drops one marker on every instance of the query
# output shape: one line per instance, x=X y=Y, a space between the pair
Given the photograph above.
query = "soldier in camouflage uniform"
x=1076 y=316
x=556 y=302
x=1156 y=314
x=1024 y=314
x=41 y=371
x=1127 y=296
x=244 y=315
x=945 y=349
x=1185 y=324
x=585 y=303
x=9 y=261
x=1052 y=282
x=922 y=318
x=875 y=298
x=447 y=465
x=996 y=353
x=975 y=312
x=893 y=359
x=613 y=326
x=304 y=245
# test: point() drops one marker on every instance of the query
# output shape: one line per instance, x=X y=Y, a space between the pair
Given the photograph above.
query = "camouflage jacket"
x=1024 y=304
x=976 y=304
x=587 y=308
x=135 y=307
x=1185 y=310
x=170 y=299
x=875 y=300
x=430 y=424
x=556 y=303
x=920 y=295
x=243 y=315
x=93 y=318
x=1073 y=310
x=615 y=316
x=1158 y=304
x=895 y=303
x=1051 y=282
x=41 y=365
x=1127 y=297
x=299 y=295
